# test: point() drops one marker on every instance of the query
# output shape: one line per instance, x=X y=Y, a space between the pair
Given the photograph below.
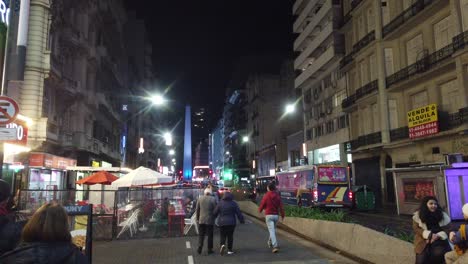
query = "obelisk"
x=188 y=145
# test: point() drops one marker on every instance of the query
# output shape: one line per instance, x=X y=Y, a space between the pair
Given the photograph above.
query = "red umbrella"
x=101 y=177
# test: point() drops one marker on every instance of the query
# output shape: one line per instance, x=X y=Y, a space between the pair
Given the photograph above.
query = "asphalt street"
x=250 y=246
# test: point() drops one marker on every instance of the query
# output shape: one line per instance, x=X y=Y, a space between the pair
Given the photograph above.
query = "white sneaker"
x=230 y=252
x=270 y=245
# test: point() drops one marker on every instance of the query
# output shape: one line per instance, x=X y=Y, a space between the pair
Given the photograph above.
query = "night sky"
x=198 y=43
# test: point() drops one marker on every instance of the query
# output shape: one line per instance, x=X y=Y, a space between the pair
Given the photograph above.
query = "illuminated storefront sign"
x=423 y=121
x=4 y=12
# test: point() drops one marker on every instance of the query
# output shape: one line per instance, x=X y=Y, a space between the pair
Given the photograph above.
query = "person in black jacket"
x=46 y=239
x=227 y=209
x=10 y=231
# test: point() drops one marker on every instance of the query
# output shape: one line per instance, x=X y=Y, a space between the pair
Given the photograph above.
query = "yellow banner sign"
x=422 y=115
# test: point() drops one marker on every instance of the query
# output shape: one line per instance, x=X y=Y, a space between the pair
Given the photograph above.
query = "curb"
x=338 y=251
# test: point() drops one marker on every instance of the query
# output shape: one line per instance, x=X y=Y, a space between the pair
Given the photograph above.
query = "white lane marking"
x=190 y=259
x=187 y=244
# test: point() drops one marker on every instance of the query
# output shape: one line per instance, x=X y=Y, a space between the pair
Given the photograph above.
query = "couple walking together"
x=206 y=212
x=227 y=210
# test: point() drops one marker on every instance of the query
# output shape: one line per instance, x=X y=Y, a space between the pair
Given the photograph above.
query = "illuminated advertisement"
x=80 y=218
x=415 y=190
x=332 y=175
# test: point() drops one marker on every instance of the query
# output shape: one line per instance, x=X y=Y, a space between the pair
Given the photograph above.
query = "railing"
x=412 y=11
x=346 y=60
x=399 y=133
x=421 y=65
x=365 y=140
x=346 y=19
x=364 y=41
x=460 y=40
x=361 y=92
x=355 y=3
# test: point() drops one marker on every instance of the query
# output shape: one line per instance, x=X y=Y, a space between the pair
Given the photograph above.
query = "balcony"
x=304 y=14
x=312 y=24
x=449 y=121
x=360 y=93
x=366 y=140
x=314 y=45
x=409 y=13
x=298 y=5
x=366 y=40
x=422 y=65
x=346 y=60
x=355 y=3
x=460 y=41
x=313 y=69
x=399 y=133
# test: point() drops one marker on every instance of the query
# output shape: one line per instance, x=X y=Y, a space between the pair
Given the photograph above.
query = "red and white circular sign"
x=8 y=110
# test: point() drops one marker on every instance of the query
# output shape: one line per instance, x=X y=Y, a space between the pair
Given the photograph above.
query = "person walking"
x=10 y=231
x=227 y=210
x=430 y=238
x=273 y=206
x=205 y=219
x=46 y=239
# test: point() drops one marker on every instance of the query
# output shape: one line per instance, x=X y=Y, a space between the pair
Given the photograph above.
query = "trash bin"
x=364 y=198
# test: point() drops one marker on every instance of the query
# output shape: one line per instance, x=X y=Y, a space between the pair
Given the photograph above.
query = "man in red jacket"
x=273 y=206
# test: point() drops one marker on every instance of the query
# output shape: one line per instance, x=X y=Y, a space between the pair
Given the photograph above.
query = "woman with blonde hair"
x=46 y=239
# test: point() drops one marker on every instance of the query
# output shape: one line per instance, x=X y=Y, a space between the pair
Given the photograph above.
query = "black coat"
x=45 y=253
x=10 y=233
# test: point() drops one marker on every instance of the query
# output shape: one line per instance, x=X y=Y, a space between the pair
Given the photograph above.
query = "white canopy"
x=142 y=176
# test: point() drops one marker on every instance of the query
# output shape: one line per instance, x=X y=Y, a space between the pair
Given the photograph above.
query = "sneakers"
x=230 y=252
x=275 y=250
x=222 y=250
x=270 y=245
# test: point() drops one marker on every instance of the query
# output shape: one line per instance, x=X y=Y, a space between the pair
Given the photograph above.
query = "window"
x=385 y=12
x=443 y=33
x=464 y=11
x=373 y=69
x=364 y=76
x=308 y=134
x=375 y=118
x=388 y=53
x=361 y=27
x=393 y=113
x=343 y=121
x=338 y=98
x=449 y=91
x=367 y=120
x=414 y=49
x=370 y=20
x=330 y=127
x=419 y=100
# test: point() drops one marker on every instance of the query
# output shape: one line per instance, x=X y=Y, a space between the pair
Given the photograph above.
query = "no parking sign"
x=8 y=110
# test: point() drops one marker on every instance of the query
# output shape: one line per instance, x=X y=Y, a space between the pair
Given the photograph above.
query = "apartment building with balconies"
x=404 y=58
x=320 y=46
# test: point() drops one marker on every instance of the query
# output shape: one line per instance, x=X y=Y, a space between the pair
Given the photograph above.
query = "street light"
x=245 y=139
x=171 y=152
x=158 y=100
x=168 y=138
x=290 y=108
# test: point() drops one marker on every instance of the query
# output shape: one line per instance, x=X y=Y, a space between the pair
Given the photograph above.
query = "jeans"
x=271 y=221
x=205 y=230
x=227 y=231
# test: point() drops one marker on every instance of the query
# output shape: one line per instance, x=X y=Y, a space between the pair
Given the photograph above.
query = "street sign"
x=8 y=110
x=7 y=133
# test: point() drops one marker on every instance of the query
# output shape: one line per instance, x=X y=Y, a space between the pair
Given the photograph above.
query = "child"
x=460 y=239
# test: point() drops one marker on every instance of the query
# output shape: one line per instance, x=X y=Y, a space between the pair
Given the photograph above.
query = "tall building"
x=407 y=94
x=319 y=48
x=77 y=90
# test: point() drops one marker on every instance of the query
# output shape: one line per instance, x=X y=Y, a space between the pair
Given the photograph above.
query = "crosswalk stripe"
x=190 y=259
x=187 y=244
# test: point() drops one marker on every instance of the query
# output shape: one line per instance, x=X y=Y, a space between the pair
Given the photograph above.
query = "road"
x=249 y=246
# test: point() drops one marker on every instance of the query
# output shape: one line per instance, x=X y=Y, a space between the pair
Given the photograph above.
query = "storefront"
x=334 y=154
x=48 y=172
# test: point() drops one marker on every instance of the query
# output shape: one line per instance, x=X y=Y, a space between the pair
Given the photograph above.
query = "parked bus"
x=202 y=174
x=319 y=186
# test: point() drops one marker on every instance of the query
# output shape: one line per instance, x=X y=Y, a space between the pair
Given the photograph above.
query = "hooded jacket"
x=272 y=204
x=227 y=210
x=45 y=253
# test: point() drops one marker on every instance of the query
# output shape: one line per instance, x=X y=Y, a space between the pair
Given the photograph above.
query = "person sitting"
x=10 y=231
x=46 y=239
x=460 y=240
x=430 y=238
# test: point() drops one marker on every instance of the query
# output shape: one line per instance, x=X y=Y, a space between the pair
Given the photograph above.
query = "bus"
x=202 y=174
x=318 y=186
